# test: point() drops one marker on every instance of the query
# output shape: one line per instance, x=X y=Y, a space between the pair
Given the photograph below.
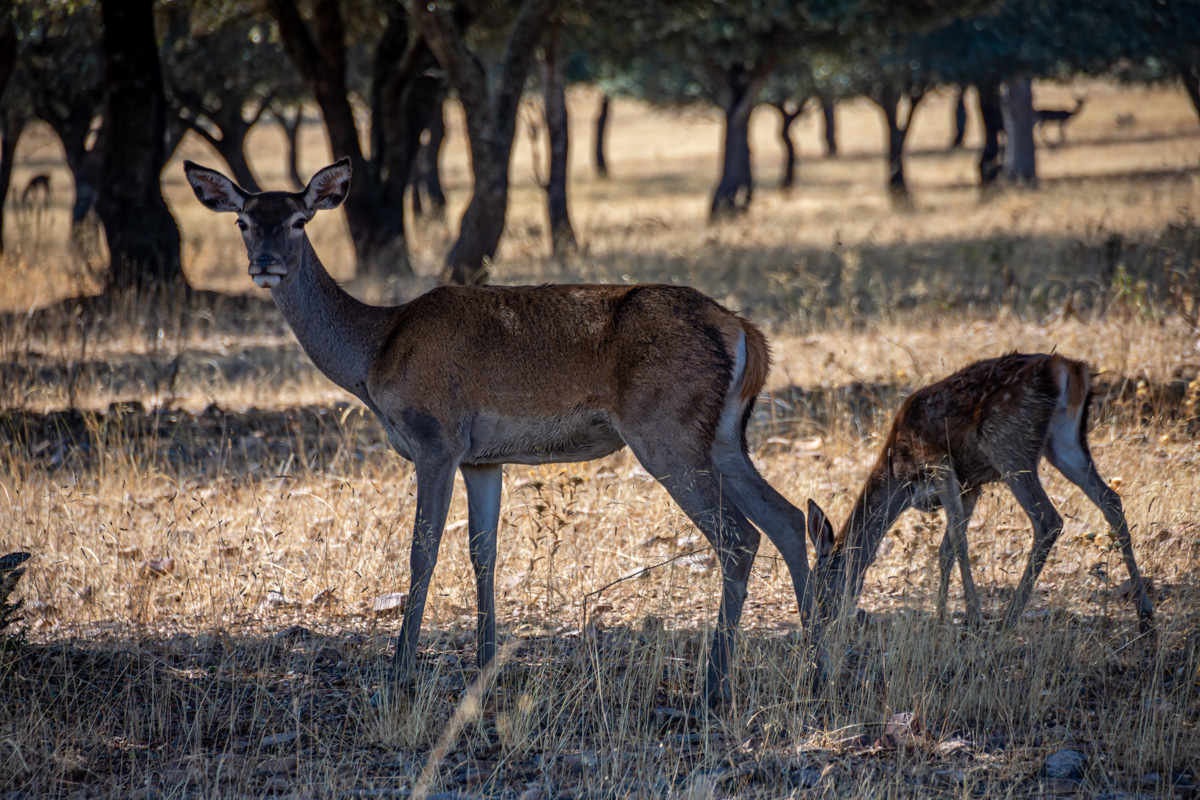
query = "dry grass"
x=207 y=551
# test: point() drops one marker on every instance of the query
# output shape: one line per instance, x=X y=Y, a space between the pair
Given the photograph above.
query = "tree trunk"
x=12 y=124
x=376 y=223
x=562 y=235
x=736 y=189
x=143 y=240
x=888 y=99
x=231 y=145
x=1190 y=74
x=291 y=131
x=990 y=158
x=738 y=94
x=960 y=118
x=828 y=113
x=601 y=130
x=8 y=44
x=786 y=118
x=1020 y=163
x=491 y=112
x=428 y=168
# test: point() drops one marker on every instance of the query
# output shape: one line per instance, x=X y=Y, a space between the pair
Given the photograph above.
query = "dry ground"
x=212 y=522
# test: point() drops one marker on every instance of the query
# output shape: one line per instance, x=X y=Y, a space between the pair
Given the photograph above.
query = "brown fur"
x=992 y=421
x=467 y=379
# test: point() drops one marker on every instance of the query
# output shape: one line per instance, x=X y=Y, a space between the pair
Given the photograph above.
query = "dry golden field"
x=212 y=522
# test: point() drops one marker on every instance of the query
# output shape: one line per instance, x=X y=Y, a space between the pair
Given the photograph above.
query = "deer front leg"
x=435 y=484
x=483 y=514
x=1047 y=525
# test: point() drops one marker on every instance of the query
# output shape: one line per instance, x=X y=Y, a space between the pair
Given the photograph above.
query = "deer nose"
x=262 y=262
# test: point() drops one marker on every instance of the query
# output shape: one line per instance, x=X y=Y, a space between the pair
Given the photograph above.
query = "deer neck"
x=340 y=334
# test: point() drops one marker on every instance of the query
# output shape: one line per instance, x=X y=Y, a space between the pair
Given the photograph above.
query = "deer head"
x=272 y=223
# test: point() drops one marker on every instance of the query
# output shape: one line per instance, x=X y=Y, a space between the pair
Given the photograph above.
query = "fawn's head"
x=272 y=223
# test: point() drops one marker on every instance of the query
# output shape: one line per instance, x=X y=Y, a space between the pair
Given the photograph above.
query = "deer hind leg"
x=1047 y=525
x=781 y=521
x=693 y=484
x=483 y=514
x=959 y=507
x=1071 y=457
x=435 y=484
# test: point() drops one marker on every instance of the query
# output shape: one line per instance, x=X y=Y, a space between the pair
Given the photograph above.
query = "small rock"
x=533 y=793
x=279 y=739
x=279 y=766
x=391 y=603
x=1067 y=764
x=1150 y=780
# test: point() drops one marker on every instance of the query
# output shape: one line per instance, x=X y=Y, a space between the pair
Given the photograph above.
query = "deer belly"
x=498 y=439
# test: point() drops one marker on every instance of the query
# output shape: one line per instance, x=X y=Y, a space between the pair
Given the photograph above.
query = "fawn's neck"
x=881 y=501
x=341 y=335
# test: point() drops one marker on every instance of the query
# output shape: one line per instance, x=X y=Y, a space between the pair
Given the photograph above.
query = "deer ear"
x=329 y=187
x=213 y=189
x=819 y=529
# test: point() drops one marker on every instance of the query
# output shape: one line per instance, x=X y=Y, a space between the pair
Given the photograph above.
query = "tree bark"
x=1020 y=162
x=12 y=124
x=562 y=235
x=376 y=223
x=8 y=44
x=231 y=144
x=960 y=118
x=427 y=170
x=291 y=131
x=601 y=131
x=1190 y=74
x=491 y=114
x=888 y=98
x=991 y=160
x=738 y=90
x=143 y=240
x=786 y=118
x=829 y=114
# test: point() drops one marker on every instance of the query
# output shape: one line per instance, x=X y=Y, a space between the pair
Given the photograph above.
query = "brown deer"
x=992 y=421
x=468 y=379
x=1062 y=116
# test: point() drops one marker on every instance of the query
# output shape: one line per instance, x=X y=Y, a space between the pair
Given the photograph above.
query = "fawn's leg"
x=959 y=507
x=1047 y=525
x=1074 y=461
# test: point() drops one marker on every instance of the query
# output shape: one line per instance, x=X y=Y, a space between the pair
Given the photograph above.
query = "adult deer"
x=469 y=379
x=993 y=421
x=1062 y=116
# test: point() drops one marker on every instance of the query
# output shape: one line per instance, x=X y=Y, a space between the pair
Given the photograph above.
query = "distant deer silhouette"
x=37 y=183
x=1060 y=115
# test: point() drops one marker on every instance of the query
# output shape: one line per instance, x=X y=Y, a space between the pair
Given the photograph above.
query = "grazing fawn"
x=468 y=379
x=993 y=421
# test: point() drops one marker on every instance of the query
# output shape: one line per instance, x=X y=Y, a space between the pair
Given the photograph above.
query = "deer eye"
x=299 y=224
x=241 y=223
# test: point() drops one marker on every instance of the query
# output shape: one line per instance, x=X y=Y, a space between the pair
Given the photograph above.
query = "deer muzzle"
x=267 y=272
